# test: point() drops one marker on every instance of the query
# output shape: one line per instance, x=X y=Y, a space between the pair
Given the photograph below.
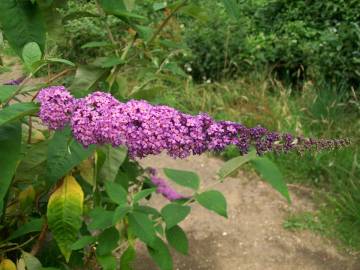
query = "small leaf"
x=116 y=192
x=95 y=44
x=160 y=253
x=142 y=227
x=33 y=225
x=108 y=240
x=83 y=242
x=17 y=111
x=100 y=218
x=60 y=60
x=232 y=165
x=10 y=150
x=214 y=201
x=62 y=156
x=78 y=15
x=159 y=6
x=87 y=169
x=174 y=213
x=31 y=54
x=107 y=262
x=120 y=212
x=183 y=178
x=31 y=262
x=177 y=239
x=64 y=213
x=143 y=194
x=127 y=258
x=271 y=173
x=115 y=157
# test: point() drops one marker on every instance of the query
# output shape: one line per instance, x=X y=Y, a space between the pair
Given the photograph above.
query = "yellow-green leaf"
x=64 y=213
x=7 y=264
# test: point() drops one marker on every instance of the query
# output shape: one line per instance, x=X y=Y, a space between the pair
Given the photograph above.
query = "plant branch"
x=40 y=241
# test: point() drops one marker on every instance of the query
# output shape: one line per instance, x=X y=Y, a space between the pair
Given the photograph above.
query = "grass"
x=315 y=111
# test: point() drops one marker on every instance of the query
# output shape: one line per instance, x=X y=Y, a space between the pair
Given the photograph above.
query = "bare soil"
x=253 y=236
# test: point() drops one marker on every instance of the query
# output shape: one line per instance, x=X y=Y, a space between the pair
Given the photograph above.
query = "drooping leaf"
x=160 y=253
x=232 y=165
x=271 y=173
x=83 y=242
x=6 y=91
x=60 y=60
x=174 y=213
x=17 y=111
x=177 y=239
x=22 y=23
x=127 y=258
x=107 y=262
x=214 y=201
x=10 y=148
x=31 y=54
x=64 y=154
x=143 y=193
x=183 y=178
x=33 y=225
x=107 y=241
x=120 y=212
x=142 y=227
x=64 y=214
x=114 y=159
x=86 y=78
x=116 y=192
x=31 y=262
x=100 y=218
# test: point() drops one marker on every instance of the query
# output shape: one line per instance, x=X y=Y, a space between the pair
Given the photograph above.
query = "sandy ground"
x=252 y=238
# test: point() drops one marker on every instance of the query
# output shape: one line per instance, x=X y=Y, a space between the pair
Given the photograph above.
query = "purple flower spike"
x=56 y=106
x=163 y=187
x=146 y=129
x=16 y=81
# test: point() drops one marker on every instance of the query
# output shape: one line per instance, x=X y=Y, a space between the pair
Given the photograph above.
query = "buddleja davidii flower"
x=56 y=106
x=163 y=188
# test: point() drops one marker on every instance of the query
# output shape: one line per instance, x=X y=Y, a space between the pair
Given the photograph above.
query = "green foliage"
x=214 y=201
x=183 y=178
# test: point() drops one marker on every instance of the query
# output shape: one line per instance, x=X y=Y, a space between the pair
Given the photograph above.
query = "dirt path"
x=252 y=237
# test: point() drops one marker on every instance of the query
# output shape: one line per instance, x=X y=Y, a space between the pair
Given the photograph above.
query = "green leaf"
x=232 y=165
x=160 y=253
x=17 y=111
x=10 y=149
x=174 y=213
x=63 y=157
x=183 y=178
x=33 y=225
x=96 y=44
x=159 y=6
x=116 y=192
x=120 y=212
x=64 y=214
x=100 y=218
x=271 y=173
x=107 y=262
x=83 y=242
x=86 y=78
x=31 y=262
x=6 y=92
x=107 y=62
x=31 y=54
x=118 y=8
x=142 y=227
x=115 y=157
x=78 y=15
x=60 y=60
x=22 y=22
x=108 y=241
x=143 y=193
x=232 y=8
x=177 y=239
x=127 y=258
x=214 y=201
